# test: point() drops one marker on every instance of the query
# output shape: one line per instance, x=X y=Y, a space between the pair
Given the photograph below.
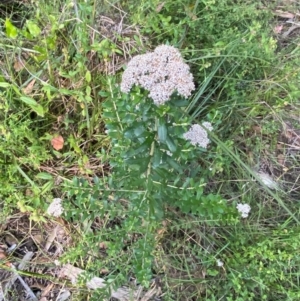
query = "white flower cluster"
x=244 y=209
x=197 y=135
x=55 y=208
x=161 y=72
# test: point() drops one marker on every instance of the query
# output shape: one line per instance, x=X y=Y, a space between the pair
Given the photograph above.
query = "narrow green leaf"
x=179 y=102
x=162 y=131
x=33 y=105
x=139 y=130
x=159 y=173
x=47 y=186
x=144 y=165
x=129 y=134
x=145 y=146
x=174 y=164
x=4 y=85
x=103 y=94
x=140 y=164
x=28 y=100
x=44 y=176
x=157 y=156
x=107 y=114
x=171 y=145
x=114 y=134
x=135 y=161
x=65 y=91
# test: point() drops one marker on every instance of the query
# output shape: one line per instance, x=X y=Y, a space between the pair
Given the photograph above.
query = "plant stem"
x=152 y=149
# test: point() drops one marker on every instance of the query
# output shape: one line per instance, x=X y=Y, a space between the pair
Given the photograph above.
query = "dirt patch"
x=28 y=252
x=30 y=267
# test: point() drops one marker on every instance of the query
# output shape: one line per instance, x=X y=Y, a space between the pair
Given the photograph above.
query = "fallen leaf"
x=18 y=65
x=289 y=135
x=159 y=7
x=280 y=159
x=2 y=255
x=57 y=142
x=104 y=271
x=28 y=192
x=103 y=245
x=279 y=146
x=257 y=129
x=46 y=291
x=284 y=14
x=29 y=87
x=38 y=239
x=3 y=248
x=60 y=119
x=277 y=29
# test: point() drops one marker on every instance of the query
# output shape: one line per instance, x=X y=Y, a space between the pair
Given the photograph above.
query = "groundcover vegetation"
x=149 y=150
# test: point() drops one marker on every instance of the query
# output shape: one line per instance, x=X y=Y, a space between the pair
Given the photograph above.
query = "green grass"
x=63 y=61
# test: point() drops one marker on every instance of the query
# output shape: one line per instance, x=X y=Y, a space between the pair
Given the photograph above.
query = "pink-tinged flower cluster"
x=197 y=135
x=161 y=72
x=55 y=208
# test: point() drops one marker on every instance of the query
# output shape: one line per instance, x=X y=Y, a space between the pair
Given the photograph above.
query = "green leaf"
x=114 y=134
x=140 y=164
x=44 y=176
x=47 y=186
x=33 y=105
x=104 y=94
x=179 y=102
x=11 y=30
x=40 y=110
x=88 y=91
x=118 y=51
x=129 y=134
x=4 y=85
x=174 y=164
x=135 y=161
x=171 y=145
x=65 y=92
x=157 y=156
x=145 y=146
x=212 y=272
x=88 y=76
x=107 y=114
x=33 y=28
x=139 y=130
x=28 y=100
x=162 y=131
